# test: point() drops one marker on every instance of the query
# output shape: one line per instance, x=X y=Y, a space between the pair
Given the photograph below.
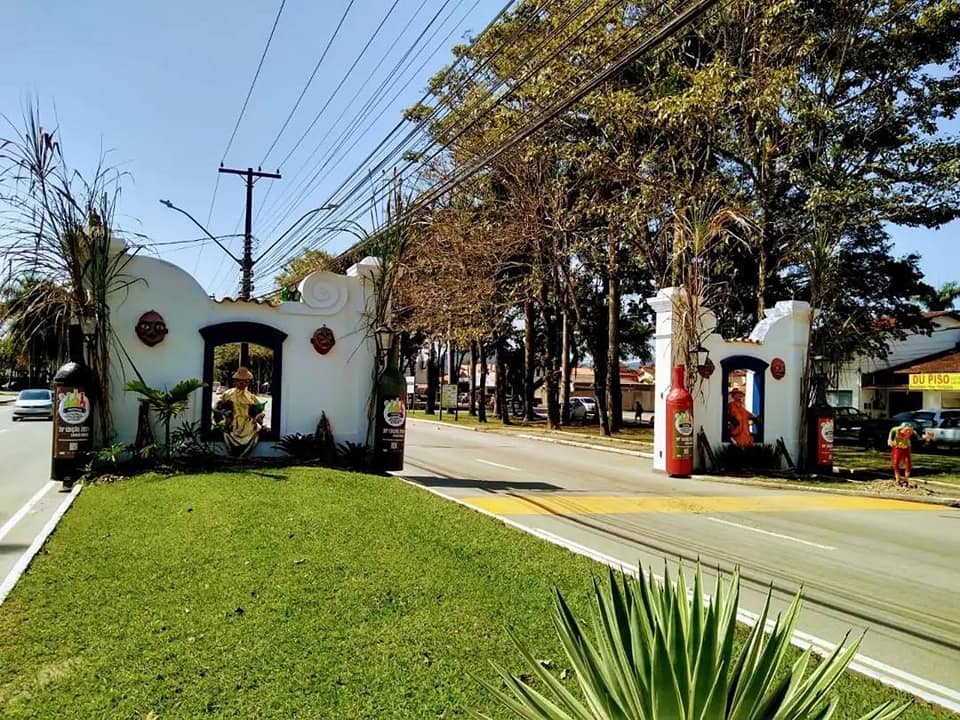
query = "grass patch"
x=631 y=434
x=939 y=466
x=287 y=593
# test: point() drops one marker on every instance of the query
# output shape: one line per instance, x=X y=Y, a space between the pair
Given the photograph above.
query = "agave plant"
x=657 y=653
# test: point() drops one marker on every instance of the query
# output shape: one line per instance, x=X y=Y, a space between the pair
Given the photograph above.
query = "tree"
x=36 y=313
x=167 y=404
x=60 y=229
x=297 y=268
x=942 y=298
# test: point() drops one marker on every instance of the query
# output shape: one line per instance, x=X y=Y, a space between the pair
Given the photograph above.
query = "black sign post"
x=72 y=423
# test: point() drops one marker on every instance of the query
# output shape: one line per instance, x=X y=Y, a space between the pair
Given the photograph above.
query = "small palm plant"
x=655 y=654
x=167 y=404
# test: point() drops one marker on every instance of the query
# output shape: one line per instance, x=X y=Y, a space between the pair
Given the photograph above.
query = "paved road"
x=27 y=497
x=889 y=567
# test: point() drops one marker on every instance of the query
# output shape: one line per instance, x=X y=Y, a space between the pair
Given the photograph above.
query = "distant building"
x=882 y=387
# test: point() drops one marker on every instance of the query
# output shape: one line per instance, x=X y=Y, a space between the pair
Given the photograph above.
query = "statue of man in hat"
x=241 y=413
x=739 y=419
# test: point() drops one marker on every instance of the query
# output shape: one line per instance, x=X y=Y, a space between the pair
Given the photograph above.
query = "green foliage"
x=656 y=652
x=354 y=456
x=167 y=404
x=297 y=268
x=756 y=457
x=318 y=445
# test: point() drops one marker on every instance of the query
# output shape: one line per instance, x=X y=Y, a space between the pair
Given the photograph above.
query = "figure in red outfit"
x=739 y=419
x=900 y=442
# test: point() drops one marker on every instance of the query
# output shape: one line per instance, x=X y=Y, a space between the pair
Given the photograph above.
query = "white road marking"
x=505 y=467
x=890 y=676
x=24 y=561
x=771 y=534
x=19 y=514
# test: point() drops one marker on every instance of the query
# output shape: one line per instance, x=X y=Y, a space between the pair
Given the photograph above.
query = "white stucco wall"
x=781 y=334
x=338 y=383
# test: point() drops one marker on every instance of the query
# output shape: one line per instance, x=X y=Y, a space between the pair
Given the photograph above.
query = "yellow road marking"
x=548 y=504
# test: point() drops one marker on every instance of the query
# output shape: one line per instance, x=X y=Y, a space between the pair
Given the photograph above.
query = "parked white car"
x=946 y=433
x=583 y=408
x=37 y=403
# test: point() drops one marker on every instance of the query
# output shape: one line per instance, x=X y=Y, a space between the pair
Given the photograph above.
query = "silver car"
x=945 y=434
x=33 y=404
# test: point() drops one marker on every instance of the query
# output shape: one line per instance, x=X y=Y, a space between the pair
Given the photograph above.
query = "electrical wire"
x=549 y=55
x=313 y=74
x=423 y=124
x=393 y=77
x=243 y=108
x=256 y=218
x=616 y=65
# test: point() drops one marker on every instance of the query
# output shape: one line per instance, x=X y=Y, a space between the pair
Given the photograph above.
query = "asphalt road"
x=890 y=568
x=27 y=496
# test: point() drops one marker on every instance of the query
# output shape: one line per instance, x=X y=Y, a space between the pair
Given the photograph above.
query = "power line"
x=246 y=100
x=613 y=67
x=423 y=124
x=478 y=113
x=303 y=187
x=313 y=74
x=296 y=176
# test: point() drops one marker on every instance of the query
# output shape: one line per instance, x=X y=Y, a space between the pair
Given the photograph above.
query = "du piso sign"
x=934 y=381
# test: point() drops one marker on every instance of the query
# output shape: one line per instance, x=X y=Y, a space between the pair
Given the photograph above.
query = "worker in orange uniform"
x=739 y=419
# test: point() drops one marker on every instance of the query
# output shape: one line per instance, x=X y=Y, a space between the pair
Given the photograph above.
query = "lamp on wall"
x=385 y=334
x=701 y=356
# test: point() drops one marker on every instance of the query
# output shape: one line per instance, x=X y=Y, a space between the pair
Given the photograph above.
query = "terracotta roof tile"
x=946 y=363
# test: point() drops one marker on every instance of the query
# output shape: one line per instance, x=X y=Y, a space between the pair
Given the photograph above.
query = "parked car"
x=36 y=403
x=874 y=432
x=847 y=422
x=588 y=404
x=946 y=433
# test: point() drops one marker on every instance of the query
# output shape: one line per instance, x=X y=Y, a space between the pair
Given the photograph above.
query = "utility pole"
x=246 y=264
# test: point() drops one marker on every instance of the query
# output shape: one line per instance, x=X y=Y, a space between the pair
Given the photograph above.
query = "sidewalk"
x=940 y=494
x=7 y=397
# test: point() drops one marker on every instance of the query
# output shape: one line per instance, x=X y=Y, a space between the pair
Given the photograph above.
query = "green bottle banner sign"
x=391 y=418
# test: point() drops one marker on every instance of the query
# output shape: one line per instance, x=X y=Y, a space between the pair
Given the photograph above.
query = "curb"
x=952 y=502
x=861 y=664
x=10 y=581
x=591 y=446
x=544 y=438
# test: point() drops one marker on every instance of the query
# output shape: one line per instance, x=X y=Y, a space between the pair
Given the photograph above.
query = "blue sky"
x=159 y=85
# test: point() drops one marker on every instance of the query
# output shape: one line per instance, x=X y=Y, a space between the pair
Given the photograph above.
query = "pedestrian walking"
x=901 y=451
x=637 y=412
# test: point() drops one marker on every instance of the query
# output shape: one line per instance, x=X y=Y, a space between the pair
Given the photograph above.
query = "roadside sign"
x=934 y=381
x=448 y=397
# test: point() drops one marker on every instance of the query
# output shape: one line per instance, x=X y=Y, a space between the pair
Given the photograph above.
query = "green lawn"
x=295 y=593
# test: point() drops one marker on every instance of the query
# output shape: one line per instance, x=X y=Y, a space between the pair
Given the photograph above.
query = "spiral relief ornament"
x=325 y=292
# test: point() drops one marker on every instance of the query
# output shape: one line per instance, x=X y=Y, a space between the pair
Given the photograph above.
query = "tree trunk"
x=481 y=408
x=600 y=358
x=529 y=358
x=473 y=377
x=565 y=371
x=501 y=387
x=433 y=380
x=614 y=398
x=551 y=369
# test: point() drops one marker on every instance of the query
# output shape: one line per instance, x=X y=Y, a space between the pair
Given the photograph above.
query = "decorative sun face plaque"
x=778 y=368
x=323 y=340
x=151 y=328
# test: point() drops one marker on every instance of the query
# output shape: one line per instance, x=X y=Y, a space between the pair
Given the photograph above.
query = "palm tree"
x=168 y=404
x=36 y=313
